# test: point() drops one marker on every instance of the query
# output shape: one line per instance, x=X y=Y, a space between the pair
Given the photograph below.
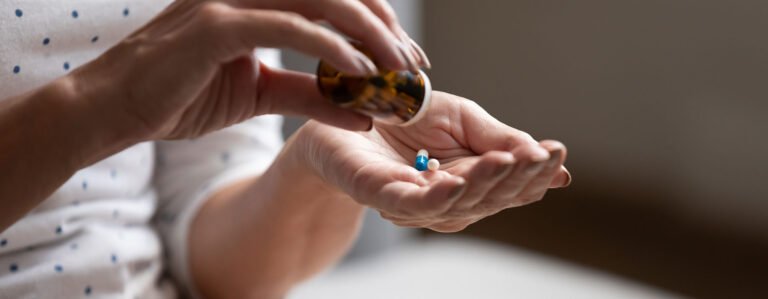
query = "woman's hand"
x=191 y=69
x=486 y=166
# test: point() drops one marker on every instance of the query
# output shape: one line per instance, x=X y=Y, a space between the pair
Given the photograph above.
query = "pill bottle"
x=392 y=97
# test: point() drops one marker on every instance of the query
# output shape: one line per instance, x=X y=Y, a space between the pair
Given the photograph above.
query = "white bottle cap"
x=425 y=103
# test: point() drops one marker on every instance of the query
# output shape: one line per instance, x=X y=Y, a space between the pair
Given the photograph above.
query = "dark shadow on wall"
x=662 y=105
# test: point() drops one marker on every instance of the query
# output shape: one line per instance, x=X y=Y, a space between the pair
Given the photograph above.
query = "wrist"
x=298 y=166
x=97 y=131
x=309 y=151
x=311 y=224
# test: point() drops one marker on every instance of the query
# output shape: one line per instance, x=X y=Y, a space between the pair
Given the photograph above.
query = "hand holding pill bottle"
x=392 y=97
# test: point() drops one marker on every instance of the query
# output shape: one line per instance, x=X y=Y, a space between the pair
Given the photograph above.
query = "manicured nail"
x=366 y=65
x=507 y=162
x=554 y=157
x=416 y=50
x=540 y=155
x=568 y=179
x=422 y=55
x=410 y=60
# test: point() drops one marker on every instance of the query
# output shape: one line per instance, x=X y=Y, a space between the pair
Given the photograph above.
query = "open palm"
x=486 y=166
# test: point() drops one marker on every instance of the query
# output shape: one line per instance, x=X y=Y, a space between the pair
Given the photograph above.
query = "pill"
x=422 y=158
x=433 y=164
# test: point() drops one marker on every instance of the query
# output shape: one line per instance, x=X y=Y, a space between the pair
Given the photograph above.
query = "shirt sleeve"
x=189 y=171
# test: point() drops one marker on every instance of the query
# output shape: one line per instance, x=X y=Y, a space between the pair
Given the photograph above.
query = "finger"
x=359 y=22
x=536 y=187
x=562 y=178
x=505 y=193
x=485 y=133
x=486 y=172
x=293 y=93
x=453 y=226
x=407 y=222
x=231 y=33
x=423 y=58
x=383 y=10
x=410 y=201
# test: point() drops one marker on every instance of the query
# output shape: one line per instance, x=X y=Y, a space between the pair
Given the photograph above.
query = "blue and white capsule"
x=422 y=159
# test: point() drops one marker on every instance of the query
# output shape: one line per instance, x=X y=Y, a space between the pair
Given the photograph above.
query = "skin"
x=190 y=71
x=311 y=198
x=187 y=72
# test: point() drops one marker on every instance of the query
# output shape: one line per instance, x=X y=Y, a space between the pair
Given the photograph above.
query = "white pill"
x=422 y=152
x=433 y=164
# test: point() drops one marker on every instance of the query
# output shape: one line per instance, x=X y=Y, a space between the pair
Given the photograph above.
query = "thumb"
x=294 y=93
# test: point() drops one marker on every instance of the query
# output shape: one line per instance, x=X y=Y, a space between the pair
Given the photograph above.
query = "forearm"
x=259 y=237
x=45 y=137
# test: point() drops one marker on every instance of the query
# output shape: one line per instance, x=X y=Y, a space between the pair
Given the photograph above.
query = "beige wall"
x=655 y=94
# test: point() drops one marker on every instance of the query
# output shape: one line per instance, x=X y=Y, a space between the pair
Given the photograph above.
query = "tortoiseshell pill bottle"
x=392 y=97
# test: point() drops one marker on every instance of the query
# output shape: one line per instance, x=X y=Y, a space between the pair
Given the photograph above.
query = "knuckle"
x=345 y=3
x=518 y=139
x=526 y=136
x=389 y=16
x=334 y=43
x=290 y=22
x=471 y=103
x=212 y=13
x=522 y=136
x=211 y=17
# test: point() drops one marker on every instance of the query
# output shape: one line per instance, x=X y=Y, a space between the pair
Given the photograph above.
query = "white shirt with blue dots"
x=112 y=228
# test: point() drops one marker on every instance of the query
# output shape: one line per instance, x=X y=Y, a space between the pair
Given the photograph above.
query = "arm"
x=259 y=237
x=185 y=73
x=46 y=136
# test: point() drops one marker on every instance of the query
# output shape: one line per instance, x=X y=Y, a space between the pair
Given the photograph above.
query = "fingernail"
x=506 y=164
x=424 y=59
x=568 y=179
x=416 y=50
x=366 y=65
x=508 y=158
x=406 y=40
x=410 y=60
x=540 y=155
x=554 y=157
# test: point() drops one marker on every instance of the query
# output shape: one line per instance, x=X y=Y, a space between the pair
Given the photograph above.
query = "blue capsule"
x=422 y=159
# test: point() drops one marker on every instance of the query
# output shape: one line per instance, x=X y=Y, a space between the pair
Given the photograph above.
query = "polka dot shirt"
x=113 y=228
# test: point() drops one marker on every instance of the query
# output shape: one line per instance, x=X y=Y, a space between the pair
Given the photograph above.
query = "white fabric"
x=461 y=268
x=94 y=237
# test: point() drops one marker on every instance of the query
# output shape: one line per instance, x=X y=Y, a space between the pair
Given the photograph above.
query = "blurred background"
x=662 y=105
